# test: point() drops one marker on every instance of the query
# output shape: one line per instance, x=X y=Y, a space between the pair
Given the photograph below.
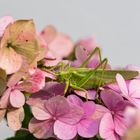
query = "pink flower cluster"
x=29 y=64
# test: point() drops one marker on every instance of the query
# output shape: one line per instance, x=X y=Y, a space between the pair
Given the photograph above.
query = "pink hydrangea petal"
x=50 y=75
x=63 y=43
x=106 y=129
x=111 y=99
x=43 y=47
x=99 y=112
x=51 y=89
x=57 y=106
x=75 y=100
x=4 y=101
x=4 y=21
x=90 y=94
x=89 y=42
x=122 y=84
x=49 y=33
x=120 y=124
x=134 y=89
x=94 y=62
x=15 y=118
x=88 y=128
x=89 y=109
x=84 y=47
x=64 y=131
x=73 y=116
x=34 y=83
x=10 y=61
x=2 y=114
x=136 y=102
x=41 y=129
x=40 y=113
x=76 y=63
x=114 y=87
x=15 y=78
x=51 y=60
x=50 y=63
x=17 y=98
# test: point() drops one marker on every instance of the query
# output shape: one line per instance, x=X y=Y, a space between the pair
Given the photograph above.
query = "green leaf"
x=28 y=116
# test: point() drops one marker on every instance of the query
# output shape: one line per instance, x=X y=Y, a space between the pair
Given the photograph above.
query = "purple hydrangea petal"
x=75 y=100
x=51 y=89
x=88 y=128
x=58 y=106
x=111 y=99
x=73 y=116
x=89 y=109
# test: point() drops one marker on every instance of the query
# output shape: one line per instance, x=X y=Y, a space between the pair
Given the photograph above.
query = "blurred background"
x=115 y=24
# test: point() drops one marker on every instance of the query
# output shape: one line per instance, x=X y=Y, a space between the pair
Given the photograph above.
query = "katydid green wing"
x=90 y=78
x=105 y=77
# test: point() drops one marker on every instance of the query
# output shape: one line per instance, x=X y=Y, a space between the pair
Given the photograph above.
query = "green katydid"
x=86 y=78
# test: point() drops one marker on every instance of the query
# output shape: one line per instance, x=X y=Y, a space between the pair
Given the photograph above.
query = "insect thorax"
x=63 y=76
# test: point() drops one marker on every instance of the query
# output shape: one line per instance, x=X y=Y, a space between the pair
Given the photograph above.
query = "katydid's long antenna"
x=97 y=49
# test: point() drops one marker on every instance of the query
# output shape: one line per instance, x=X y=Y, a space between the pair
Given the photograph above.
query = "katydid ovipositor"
x=87 y=78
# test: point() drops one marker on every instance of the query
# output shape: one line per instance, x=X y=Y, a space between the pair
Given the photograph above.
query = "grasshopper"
x=83 y=78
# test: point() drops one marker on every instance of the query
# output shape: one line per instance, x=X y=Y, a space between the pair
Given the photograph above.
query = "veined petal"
x=57 y=106
x=40 y=113
x=106 y=129
x=4 y=101
x=89 y=109
x=134 y=89
x=10 y=61
x=4 y=21
x=111 y=99
x=122 y=85
x=64 y=131
x=88 y=128
x=74 y=100
x=73 y=116
x=2 y=114
x=15 y=118
x=120 y=124
x=99 y=112
x=17 y=98
x=41 y=129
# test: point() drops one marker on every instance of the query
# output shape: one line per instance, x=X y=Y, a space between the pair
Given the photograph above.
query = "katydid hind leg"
x=84 y=80
x=104 y=63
